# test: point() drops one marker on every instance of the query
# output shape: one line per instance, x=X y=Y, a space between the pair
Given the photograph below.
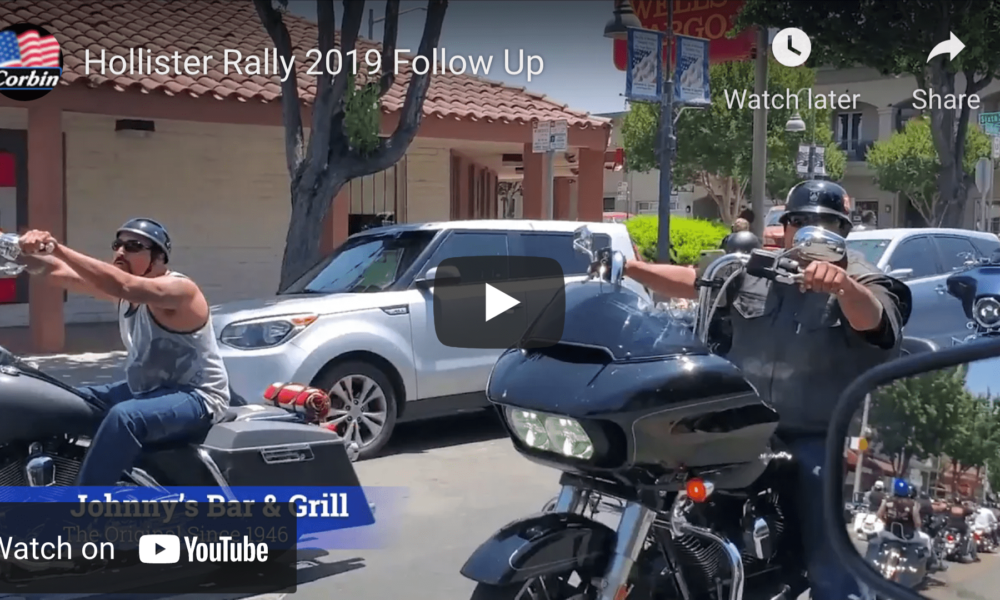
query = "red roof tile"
x=197 y=27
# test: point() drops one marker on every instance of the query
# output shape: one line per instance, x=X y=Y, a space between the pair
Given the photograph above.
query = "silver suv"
x=361 y=322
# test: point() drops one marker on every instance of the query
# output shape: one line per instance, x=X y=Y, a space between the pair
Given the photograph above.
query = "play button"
x=472 y=306
x=498 y=302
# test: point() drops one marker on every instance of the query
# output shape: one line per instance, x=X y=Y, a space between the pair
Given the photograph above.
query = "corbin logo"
x=30 y=62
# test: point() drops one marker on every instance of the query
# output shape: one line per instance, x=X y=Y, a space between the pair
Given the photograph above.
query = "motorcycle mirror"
x=583 y=241
x=929 y=420
x=818 y=244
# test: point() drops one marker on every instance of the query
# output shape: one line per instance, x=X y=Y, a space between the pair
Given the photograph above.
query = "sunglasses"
x=130 y=246
x=825 y=221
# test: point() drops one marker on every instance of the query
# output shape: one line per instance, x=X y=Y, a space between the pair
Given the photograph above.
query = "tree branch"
x=390 y=151
x=324 y=105
x=389 y=36
x=291 y=109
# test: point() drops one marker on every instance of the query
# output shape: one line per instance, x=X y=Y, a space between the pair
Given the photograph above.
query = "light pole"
x=623 y=19
x=797 y=125
x=372 y=20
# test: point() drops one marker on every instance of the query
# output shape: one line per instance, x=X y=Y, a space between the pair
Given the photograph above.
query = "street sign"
x=984 y=176
x=558 y=135
x=990 y=122
x=996 y=147
x=622 y=186
x=540 y=137
x=622 y=195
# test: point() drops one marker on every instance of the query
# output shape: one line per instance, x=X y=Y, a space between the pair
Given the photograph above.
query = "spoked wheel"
x=549 y=587
x=362 y=405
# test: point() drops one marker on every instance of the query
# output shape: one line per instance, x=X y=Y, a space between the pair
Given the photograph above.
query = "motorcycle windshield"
x=616 y=320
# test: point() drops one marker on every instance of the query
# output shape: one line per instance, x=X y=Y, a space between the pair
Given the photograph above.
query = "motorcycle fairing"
x=544 y=544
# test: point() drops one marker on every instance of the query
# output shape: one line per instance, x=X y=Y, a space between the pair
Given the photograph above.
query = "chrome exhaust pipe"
x=679 y=526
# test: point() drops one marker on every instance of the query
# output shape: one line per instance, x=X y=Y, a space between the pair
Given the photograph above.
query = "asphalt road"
x=463 y=481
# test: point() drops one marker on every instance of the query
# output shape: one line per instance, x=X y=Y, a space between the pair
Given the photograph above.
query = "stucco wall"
x=221 y=189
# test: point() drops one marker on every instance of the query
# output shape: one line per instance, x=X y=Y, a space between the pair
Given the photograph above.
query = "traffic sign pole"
x=550 y=137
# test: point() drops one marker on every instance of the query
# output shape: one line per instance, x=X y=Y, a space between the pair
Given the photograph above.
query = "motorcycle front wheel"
x=549 y=587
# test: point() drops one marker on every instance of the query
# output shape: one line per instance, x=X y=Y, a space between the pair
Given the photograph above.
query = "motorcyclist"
x=986 y=521
x=800 y=346
x=876 y=496
x=176 y=384
x=958 y=519
x=901 y=515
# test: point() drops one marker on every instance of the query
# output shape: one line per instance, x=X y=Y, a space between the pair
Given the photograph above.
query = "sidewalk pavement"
x=89 y=368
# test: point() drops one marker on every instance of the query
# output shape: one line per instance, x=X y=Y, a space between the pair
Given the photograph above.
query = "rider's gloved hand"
x=601 y=267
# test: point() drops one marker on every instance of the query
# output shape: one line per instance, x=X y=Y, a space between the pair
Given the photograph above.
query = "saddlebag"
x=275 y=453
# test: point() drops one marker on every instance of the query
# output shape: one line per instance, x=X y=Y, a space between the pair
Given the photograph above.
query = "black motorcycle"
x=646 y=423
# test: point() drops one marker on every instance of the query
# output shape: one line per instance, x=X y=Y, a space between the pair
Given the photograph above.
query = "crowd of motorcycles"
x=889 y=551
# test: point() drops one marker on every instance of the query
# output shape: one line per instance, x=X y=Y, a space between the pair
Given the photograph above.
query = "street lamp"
x=372 y=20
x=617 y=28
x=622 y=19
x=797 y=125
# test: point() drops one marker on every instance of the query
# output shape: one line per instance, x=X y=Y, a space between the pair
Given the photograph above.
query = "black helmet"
x=818 y=197
x=741 y=241
x=152 y=231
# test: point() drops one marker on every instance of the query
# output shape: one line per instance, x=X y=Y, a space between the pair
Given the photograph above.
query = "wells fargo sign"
x=709 y=19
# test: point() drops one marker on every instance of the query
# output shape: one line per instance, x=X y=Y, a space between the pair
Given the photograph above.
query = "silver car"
x=361 y=322
x=924 y=258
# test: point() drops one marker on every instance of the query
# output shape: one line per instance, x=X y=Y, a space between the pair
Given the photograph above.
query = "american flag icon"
x=28 y=49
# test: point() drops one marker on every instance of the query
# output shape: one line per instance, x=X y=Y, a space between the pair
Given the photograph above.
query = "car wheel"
x=362 y=404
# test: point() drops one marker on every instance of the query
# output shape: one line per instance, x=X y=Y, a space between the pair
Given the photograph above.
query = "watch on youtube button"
x=488 y=302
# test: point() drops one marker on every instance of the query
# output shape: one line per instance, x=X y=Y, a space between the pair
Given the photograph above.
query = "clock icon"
x=791 y=47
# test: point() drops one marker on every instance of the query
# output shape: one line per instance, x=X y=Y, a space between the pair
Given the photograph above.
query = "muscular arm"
x=917 y=522
x=873 y=310
x=164 y=292
x=673 y=281
x=60 y=274
x=880 y=513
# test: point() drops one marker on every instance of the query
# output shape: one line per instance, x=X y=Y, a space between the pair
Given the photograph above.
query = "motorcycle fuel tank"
x=36 y=407
x=642 y=373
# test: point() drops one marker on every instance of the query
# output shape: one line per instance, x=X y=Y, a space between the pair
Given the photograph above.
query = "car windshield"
x=772 y=217
x=367 y=263
x=871 y=249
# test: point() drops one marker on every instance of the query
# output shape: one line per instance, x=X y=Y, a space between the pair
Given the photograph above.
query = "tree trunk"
x=305 y=231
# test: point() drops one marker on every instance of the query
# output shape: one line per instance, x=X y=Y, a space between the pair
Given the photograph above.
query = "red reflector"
x=697 y=491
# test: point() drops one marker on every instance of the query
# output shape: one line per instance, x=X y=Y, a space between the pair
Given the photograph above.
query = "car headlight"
x=551 y=433
x=264 y=333
x=986 y=312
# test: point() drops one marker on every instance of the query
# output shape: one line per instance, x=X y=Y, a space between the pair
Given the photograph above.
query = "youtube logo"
x=159 y=549
x=488 y=302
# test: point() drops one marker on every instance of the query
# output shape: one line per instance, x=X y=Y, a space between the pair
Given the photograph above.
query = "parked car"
x=774 y=231
x=361 y=322
x=924 y=258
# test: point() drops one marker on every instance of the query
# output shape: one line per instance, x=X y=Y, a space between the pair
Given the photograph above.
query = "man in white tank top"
x=176 y=384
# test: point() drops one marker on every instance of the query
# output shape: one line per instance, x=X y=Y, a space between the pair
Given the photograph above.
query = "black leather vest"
x=798 y=350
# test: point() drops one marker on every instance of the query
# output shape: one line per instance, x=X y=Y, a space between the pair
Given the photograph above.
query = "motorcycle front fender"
x=544 y=544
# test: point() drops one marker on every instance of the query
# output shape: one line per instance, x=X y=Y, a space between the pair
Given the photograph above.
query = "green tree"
x=981 y=442
x=895 y=38
x=344 y=141
x=918 y=417
x=714 y=144
x=907 y=163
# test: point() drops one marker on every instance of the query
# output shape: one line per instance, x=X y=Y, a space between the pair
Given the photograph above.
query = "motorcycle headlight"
x=986 y=312
x=551 y=433
x=264 y=333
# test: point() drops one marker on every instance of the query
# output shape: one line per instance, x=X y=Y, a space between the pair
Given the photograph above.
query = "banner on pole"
x=644 y=76
x=691 y=79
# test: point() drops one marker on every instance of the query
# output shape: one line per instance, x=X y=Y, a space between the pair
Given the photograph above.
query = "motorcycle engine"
x=57 y=458
x=756 y=526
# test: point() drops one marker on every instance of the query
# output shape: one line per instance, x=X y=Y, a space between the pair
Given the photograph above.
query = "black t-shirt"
x=957 y=516
x=926 y=508
x=875 y=500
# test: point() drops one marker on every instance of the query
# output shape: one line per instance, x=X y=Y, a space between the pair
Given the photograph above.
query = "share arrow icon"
x=951 y=47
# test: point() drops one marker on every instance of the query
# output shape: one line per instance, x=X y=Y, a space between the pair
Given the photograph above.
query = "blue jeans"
x=161 y=416
x=828 y=579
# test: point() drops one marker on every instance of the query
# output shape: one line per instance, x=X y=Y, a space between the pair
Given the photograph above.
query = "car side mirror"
x=880 y=422
x=439 y=275
x=900 y=274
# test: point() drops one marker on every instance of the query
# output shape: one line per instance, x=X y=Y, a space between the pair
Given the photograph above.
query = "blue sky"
x=983 y=375
x=578 y=68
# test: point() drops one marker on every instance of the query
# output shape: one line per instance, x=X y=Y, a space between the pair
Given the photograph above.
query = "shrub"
x=687 y=236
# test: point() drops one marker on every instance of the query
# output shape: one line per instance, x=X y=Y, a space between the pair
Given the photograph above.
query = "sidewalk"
x=93 y=355
x=80 y=337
